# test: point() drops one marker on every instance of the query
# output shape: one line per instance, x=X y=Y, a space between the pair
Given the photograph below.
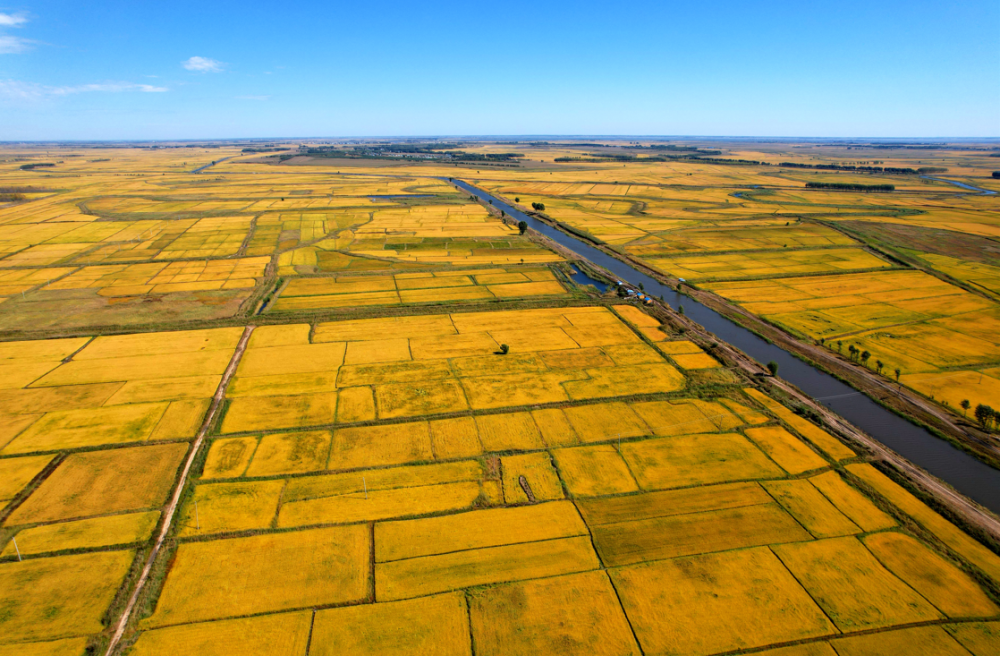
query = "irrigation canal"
x=966 y=474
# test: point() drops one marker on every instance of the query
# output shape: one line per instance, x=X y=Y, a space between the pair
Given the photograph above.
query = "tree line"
x=847 y=186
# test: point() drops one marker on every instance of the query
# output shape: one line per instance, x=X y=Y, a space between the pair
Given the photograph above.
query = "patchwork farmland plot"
x=370 y=472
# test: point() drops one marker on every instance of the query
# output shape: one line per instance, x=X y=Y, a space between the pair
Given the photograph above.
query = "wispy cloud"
x=12 y=20
x=203 y=65
x=17 y=90
x=12 y=45
x=253 y=97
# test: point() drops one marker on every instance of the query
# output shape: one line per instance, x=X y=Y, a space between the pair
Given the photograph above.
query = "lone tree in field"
x=772 y=366
x=897 y=374
x=516 y=199
x=840 y=346
x=504 y=349
x=864 y=357
x=965 y=407
x=878 y=366
x=522 y=226
x=851 y=350
x=984 y=414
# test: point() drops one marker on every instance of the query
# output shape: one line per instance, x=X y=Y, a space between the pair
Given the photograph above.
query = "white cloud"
x=12 y=20
x=203 y=65
x=17 y=90
x=12 y=45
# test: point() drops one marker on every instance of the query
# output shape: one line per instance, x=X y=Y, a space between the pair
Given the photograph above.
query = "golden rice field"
x=453 y=286
x=380 y=478
x=944 y=340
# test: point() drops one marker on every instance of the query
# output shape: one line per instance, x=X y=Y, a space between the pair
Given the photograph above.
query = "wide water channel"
x=963 y=472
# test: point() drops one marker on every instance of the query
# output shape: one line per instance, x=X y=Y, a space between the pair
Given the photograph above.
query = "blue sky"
x=197 y=70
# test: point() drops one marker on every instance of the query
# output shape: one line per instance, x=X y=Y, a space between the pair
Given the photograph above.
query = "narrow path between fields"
x=168 y=514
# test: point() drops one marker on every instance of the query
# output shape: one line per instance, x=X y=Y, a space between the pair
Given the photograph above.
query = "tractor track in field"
x=171 y=509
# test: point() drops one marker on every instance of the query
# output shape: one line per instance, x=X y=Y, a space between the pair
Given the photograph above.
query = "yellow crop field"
x=228 y=458
x=655 y=538
x=980 y=638
x=416 y=577
x=77 y=428
x=355 y=483
x=684 y=417
x=355 y=404
x=85 y=534
x=816 y=435
x=851 y=502
x=929 y=639
x=594 y=470
x=256 y=413
x=379 y=476
x=386 y=350
x=290 y=453
x=605 y=421
x=854 y=589
x=230 y=507
x=377 y=504
x=99 y=482
x=574 y=614
x=515 y=431
x=286 y=634
x=785 y=449
x=61 y=597
x=951 y=591
x=729 y=601
x=227 y=578
x=696 y=460
x=767 y=263
x=401 y=540
x=73 y=646
x=816 y=514
x=455 y=438
x=437 y=624
x=16 y=473
x=944 y=530
x=415 y=399
x=368 y=446
x=539 y=476
x=612 y=510
x=554 y=427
